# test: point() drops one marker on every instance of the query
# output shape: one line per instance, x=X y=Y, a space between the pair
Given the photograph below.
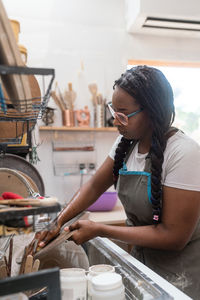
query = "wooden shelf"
x=63 y=128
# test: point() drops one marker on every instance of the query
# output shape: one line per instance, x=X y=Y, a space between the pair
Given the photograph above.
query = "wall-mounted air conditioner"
x=164 y=17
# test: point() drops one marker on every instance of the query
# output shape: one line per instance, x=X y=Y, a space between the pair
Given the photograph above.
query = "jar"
x=73 y=284
x=96 y=270
x=108 y=286
x=18 y=296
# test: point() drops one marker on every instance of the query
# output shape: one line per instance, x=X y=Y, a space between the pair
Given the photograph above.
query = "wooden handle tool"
x=3 y=271
x=10 y=257
x=57 y=100
x=28 y=264
x=30 y=201
x=36 y=265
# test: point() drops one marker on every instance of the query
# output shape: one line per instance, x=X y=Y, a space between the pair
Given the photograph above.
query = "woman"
x=156 y=171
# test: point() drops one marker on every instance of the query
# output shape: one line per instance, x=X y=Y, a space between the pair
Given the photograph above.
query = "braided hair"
x=153 y=92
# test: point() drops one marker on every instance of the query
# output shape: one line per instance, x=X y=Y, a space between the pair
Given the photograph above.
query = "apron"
x=180 y=268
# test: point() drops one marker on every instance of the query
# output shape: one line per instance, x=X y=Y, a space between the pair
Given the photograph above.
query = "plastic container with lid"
x=18 y=296
x=108 y=286
x=96 y=270
x=73 y=284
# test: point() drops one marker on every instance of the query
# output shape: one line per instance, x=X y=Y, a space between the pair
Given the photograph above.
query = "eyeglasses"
x=120 y=117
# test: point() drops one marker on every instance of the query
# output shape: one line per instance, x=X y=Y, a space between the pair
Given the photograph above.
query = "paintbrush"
x=57 y=100
x=60 y=96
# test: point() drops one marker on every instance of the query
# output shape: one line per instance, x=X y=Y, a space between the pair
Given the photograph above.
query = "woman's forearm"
x=150 y=236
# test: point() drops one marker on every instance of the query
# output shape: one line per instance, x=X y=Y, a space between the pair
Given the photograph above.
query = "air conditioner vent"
x=172 y=24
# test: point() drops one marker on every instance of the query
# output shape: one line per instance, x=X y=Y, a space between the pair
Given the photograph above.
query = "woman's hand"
x=84 y=230
x=42 y=238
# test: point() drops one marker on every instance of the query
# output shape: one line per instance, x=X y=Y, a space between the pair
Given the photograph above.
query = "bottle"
x=73 y=284
x=94 y=271
x=107 y=286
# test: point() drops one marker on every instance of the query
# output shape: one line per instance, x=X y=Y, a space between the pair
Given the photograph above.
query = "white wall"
x=61 y=34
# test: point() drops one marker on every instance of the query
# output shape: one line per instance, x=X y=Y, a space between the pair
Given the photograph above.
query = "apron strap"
x=130 y=151
x=147 y=167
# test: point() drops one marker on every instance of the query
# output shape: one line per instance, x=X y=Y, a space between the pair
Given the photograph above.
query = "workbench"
x=116 y=216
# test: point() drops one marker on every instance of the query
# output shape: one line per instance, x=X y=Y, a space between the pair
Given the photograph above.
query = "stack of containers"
x=93 y=272
x=101 y=283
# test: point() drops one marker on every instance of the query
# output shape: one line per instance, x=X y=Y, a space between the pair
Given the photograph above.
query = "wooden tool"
x=93 y=89
x=69 y=97
x=30 y=201
x=86 y=148
x=63 y=236
x=6 y=263
x=28 y=264
x=22 y=266
x=17 y=86
x=10 y=257
x=56 y=242
x=60 y=95
x=36 y=265
x=57 y=100
x=3 y=271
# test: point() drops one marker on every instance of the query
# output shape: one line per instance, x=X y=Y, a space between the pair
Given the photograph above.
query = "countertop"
x=116 y=216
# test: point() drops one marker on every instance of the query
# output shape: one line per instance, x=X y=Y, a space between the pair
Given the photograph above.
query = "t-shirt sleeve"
x=183 y=166
x=114 y=147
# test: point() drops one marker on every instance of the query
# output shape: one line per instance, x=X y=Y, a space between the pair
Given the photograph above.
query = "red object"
x=10 y=195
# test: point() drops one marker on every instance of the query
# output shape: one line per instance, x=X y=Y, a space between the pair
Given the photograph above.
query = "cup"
x=68 y=119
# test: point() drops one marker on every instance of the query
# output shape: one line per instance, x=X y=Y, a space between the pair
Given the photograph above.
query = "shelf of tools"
x=18 y=117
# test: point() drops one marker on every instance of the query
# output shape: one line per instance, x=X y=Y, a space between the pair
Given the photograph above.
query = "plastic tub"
x=108 y=286
x=105 y=202
x=94 y=271
x=73 y=284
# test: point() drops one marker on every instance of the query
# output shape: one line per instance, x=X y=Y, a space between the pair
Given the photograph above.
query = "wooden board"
x=56 y=242
x=17 y=86
x=63 y=236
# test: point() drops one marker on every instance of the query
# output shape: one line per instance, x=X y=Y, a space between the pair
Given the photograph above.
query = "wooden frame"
x=183 y=64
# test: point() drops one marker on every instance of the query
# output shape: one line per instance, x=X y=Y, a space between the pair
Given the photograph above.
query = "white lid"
x=101 y=268
x=107 y=281
x=72 y=272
